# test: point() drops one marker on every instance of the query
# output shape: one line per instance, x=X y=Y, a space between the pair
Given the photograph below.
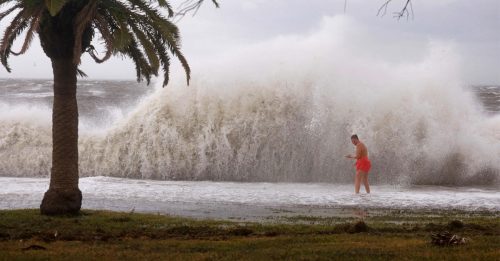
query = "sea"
x=205 y=152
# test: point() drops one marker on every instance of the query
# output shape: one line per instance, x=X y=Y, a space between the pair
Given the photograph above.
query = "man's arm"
x=357 y=155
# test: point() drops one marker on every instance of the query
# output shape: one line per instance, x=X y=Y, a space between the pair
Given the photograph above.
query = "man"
x=363 y=164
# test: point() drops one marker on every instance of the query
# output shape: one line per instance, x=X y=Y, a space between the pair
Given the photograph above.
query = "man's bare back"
x=361 y=150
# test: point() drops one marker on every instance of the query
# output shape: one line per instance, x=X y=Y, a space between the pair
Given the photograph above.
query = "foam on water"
x=284 y=110
x=159 y=196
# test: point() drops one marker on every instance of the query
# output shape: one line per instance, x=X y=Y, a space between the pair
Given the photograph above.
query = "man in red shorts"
x=363 y=164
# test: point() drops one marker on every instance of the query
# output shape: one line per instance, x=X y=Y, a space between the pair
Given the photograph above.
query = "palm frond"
x=140 y=43
x=173 y=44
x=82 y=21
x=164 y=59
x=103 y=29
x=148 y=47
x=121 y=36
x=142 y=67
x=18 y=25
x=150 y=13
x=33 y=27
x=164 y=3
x=81 y=73
x=8 y=11
x=168 y=32
x=132 y=28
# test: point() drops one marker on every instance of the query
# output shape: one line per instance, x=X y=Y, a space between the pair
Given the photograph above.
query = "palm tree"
x=131 y=28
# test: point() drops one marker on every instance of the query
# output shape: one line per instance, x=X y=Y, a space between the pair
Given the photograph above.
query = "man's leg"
x=364 y=177
x=357 y=181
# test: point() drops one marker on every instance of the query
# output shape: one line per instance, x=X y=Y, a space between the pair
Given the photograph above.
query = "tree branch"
x=190 y=6
x=406 y=11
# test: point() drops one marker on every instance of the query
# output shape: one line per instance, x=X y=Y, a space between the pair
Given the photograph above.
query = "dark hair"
x=354 y=136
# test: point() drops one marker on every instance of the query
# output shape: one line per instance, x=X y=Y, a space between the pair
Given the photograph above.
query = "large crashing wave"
x=284 y=110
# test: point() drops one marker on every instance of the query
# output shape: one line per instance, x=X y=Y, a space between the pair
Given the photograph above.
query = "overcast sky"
x=473 y=27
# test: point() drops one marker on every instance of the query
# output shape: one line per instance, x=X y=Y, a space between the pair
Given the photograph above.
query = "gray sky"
x=472 y=27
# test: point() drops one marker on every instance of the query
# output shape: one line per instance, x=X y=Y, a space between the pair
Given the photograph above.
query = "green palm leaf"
x=18 y=25
x=54 y=6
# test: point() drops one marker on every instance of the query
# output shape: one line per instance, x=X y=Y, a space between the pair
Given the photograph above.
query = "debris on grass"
x=447 y=239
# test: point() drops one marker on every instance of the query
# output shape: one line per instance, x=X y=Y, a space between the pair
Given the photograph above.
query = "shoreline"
x=287 y=214
x=252 y=201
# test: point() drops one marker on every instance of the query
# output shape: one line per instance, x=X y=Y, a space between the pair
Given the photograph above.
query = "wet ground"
x=252 y=201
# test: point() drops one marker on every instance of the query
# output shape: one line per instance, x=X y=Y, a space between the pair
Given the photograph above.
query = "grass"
x=103 y=235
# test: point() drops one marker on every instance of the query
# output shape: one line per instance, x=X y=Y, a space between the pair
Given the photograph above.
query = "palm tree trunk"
x=64 y=196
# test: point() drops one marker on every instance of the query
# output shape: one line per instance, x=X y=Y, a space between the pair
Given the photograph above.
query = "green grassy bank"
x=102 y=235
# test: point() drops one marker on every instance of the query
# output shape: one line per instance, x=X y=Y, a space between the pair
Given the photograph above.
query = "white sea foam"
x=201 y=197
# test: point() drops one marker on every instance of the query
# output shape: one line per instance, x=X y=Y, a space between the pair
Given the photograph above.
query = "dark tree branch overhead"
x=406 y=11
x=190 y=6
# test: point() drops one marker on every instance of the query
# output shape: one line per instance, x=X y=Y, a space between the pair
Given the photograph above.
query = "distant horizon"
x=154 y=79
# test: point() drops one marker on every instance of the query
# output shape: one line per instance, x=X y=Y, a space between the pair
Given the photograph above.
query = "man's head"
x=354 y=139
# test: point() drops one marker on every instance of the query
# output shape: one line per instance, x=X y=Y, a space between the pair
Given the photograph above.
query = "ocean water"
x=131 y=130
x=104 y=105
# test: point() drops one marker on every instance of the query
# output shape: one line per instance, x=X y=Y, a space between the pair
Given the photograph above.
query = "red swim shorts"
x=363 y=164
